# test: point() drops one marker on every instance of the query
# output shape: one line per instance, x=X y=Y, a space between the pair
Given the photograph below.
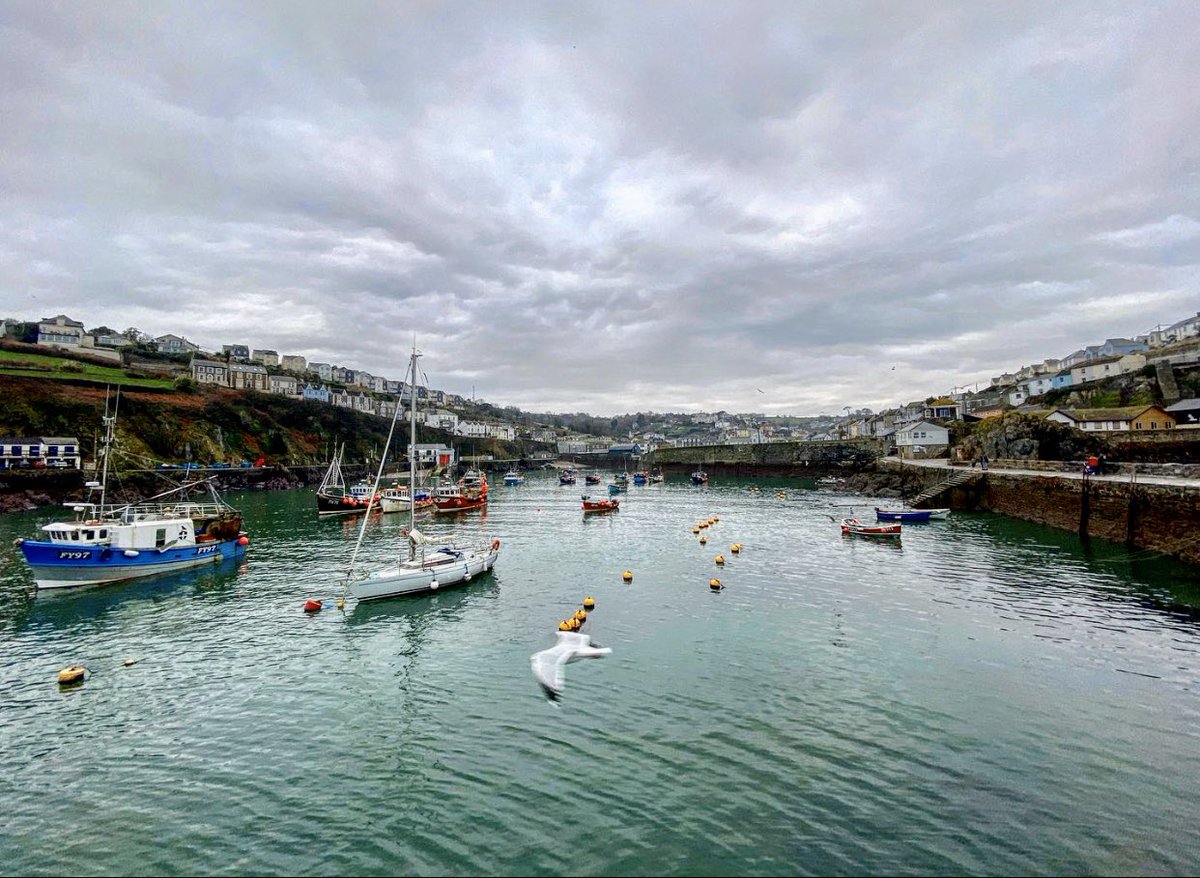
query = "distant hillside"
x=213 y=424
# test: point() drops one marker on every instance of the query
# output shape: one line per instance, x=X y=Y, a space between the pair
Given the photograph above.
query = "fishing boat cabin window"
x=160 y=538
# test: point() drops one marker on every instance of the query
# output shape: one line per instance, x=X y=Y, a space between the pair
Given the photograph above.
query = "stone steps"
x=959 y=478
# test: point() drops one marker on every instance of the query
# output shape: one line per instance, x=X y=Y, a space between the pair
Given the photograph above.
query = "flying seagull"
x=549 y=664
x=760 y=390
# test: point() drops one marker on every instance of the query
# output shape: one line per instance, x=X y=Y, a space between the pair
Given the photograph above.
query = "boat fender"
x=433 y=585
x=243 y=540
x=73 y=674
x=495 y=545
x=131 y=553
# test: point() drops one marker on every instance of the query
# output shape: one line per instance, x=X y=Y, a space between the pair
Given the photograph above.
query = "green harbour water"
x=987 y=697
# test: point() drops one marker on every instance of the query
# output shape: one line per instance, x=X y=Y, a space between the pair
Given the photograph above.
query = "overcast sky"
x=610 y=207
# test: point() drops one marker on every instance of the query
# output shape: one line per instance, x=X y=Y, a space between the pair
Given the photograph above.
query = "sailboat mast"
x=412 y=444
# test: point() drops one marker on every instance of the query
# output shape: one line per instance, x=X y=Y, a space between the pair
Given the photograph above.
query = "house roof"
x=1127 y=413
x=1097 y=361
x=1184 y=405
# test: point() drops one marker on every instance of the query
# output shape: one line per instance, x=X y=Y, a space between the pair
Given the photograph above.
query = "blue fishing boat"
x=514 y=477
x=910 y=514
x=113 y=542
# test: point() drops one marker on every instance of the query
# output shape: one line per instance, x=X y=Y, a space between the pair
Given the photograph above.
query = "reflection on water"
x=982 y=696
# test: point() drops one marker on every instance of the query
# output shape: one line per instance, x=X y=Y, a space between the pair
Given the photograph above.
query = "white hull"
x=415 y=577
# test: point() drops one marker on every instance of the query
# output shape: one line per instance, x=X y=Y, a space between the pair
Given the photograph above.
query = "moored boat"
x=114 y=542
x=469 y=492
x=431 y=562
x=606 y=504
x=911 y=514
x=855 y=527
x=514 y=477
x=398 y=498
x=699 y=477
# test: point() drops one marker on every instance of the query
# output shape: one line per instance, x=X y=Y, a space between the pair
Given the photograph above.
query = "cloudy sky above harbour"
x=610 y=207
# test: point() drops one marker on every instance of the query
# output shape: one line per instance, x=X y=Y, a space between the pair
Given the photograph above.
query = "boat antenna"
x=110 y=422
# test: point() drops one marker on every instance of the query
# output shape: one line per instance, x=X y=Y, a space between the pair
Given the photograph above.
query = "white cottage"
x=922 y=439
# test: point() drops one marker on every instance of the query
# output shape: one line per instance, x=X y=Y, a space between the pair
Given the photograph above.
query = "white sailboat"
x=431 y=563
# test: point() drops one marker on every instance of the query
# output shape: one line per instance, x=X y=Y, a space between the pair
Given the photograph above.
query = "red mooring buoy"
x=312 y=605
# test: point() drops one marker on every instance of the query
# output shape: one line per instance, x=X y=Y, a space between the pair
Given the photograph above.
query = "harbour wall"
x=770 y=458
x=1161 y=518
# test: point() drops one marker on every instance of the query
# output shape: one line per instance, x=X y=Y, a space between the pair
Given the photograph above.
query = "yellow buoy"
x=735 y=548
x=581 y=615
x=715 y=584
x=589 y=603
x=720 y=559
x=703 y=540
x=73 y=674
x=627 y=576
x=716 y=518
x=703 y=525
x=696 y=529
x=564 y=625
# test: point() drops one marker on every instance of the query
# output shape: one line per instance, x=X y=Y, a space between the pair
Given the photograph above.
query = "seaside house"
x=60 y=331
x=1186 y=413
x=248 y=376
x=174 y=344
x=236 y=351
x=315 y=392
x=17 y=452
x=324 y=371
x=1115 y=420
x=293 y=363
x=285 y=385
x=210 y=372
x=265 y=357
x=922 y=439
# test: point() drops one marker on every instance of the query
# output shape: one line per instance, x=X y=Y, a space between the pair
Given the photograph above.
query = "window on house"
x=1138 y=426
x=1110 y=425
x=1154 y=425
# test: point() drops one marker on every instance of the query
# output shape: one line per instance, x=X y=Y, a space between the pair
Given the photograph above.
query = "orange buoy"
x=312 y=605
x=243 y=540
x=73 y=674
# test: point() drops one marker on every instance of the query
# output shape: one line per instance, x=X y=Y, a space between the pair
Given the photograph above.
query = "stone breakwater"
x=1161 y=518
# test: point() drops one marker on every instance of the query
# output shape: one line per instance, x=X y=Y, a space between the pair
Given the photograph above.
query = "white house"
x=60 y=331
x=174 y=344
x=922 y=439
x=285 y=385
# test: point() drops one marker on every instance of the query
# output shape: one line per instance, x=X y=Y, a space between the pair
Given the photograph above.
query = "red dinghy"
x=854 y=527
x=608 y=504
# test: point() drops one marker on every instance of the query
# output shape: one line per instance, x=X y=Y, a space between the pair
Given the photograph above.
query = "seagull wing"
x=549 y=664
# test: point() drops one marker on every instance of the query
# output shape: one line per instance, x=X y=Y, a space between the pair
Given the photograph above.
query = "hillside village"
x=1122 y=384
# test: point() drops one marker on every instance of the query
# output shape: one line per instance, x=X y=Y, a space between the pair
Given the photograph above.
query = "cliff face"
x=209 y=425
x=1016 y=436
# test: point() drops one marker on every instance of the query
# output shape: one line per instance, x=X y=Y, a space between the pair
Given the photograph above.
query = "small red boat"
x=855 y=527
x=607 y=504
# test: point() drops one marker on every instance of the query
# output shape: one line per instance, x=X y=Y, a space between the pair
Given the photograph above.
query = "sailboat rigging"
x=430 y=563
